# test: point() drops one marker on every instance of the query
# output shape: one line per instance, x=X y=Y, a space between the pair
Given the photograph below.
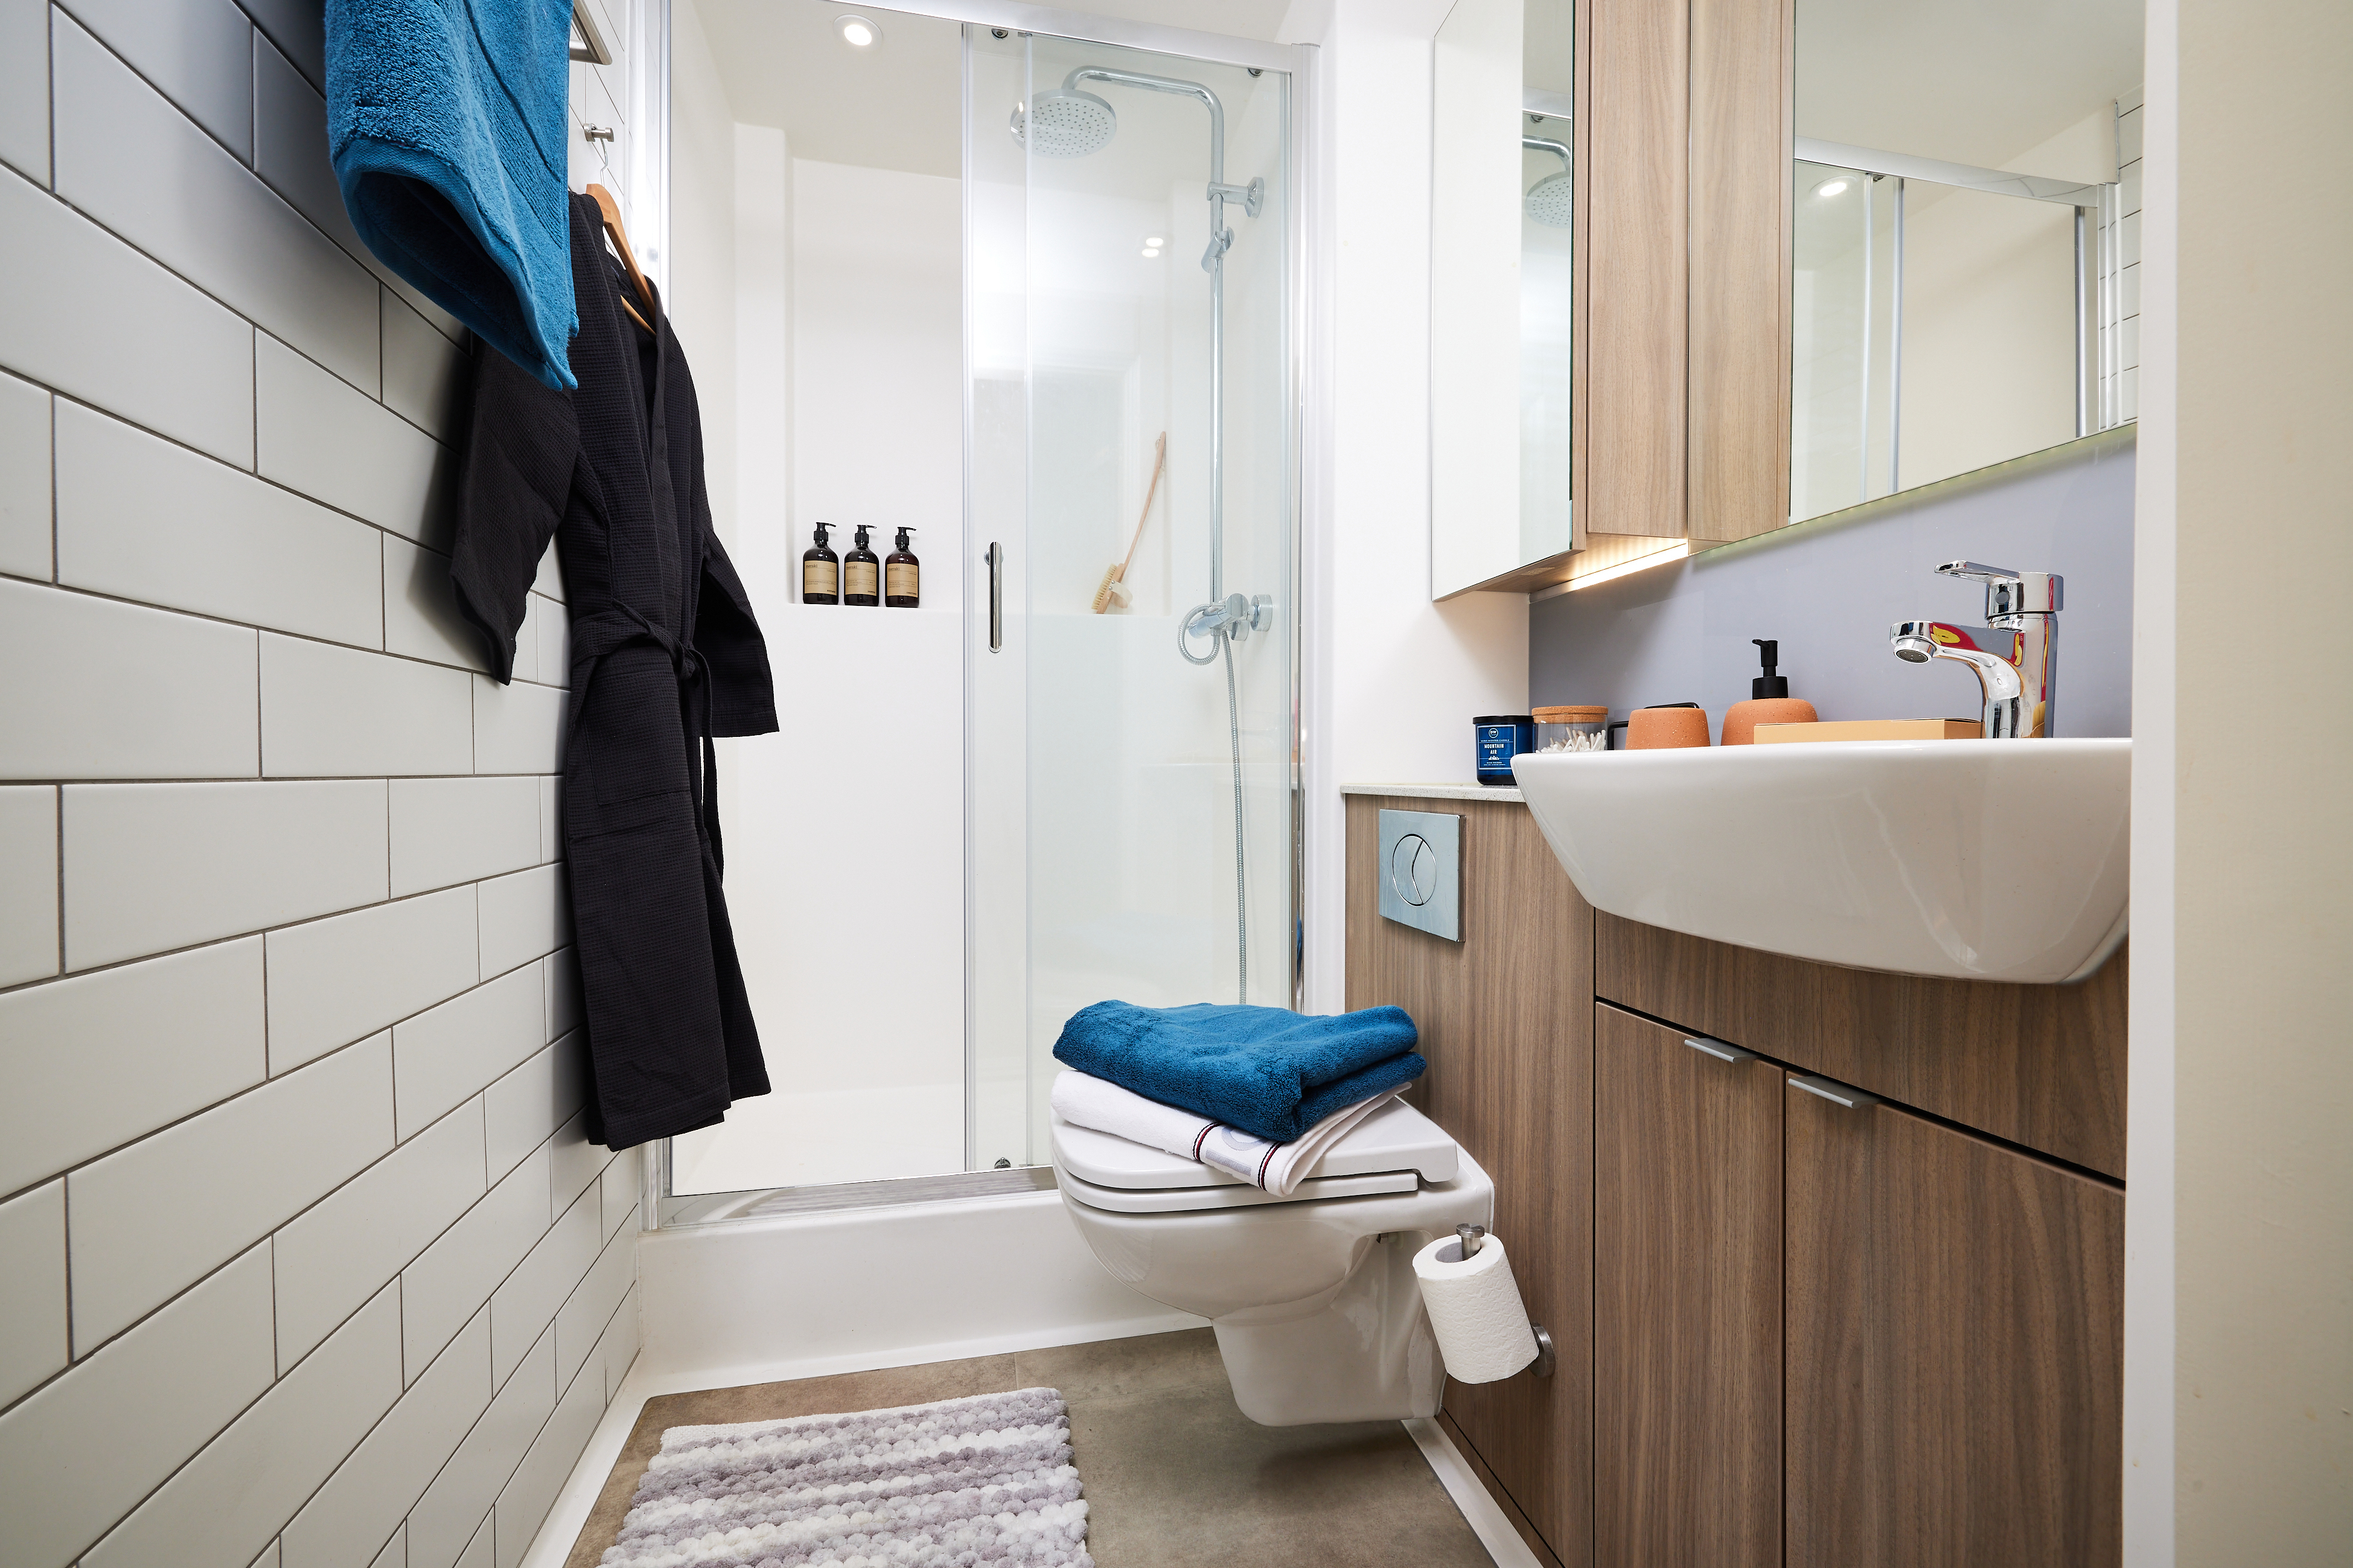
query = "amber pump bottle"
x=902 y=576
x=821 y=571
x=862 y=573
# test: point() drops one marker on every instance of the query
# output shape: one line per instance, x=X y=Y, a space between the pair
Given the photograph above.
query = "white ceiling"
x=1977 y=82
x=901 y=105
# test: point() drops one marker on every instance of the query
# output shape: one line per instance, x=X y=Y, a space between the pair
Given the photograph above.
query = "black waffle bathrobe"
x=665 y=655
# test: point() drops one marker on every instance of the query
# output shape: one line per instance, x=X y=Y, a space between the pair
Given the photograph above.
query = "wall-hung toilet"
x=1317 y=1312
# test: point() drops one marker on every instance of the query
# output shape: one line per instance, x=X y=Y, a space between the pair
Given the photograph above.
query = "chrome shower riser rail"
x=1213 y=261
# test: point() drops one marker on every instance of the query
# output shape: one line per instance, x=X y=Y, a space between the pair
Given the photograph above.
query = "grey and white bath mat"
x=962 y=1483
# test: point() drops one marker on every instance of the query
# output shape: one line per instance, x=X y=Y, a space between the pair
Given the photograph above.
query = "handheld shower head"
x=1065 y=122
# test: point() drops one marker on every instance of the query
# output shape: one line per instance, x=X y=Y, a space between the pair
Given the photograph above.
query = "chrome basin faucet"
x=2015 y=653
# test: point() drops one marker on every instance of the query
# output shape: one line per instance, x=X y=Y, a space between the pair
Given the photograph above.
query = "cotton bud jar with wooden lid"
x=1573 y=729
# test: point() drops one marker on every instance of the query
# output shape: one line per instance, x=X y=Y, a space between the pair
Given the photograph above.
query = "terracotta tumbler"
x=1740 y=723
x=1650 y=728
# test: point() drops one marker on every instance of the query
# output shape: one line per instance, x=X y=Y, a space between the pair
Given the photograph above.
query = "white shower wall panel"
x=845 y=831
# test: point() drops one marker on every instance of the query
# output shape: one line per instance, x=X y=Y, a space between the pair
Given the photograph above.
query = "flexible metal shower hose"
x=1241 y=884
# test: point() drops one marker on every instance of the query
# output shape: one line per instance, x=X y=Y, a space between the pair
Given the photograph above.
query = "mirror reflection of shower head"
x=1548 y=200
x=1064 y=122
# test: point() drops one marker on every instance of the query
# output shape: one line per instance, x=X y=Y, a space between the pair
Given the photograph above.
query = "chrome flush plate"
x=1421 y=871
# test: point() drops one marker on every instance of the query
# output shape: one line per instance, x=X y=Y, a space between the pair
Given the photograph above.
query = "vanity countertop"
x=1438 y=791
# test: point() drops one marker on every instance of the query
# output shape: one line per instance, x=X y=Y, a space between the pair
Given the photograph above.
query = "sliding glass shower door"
x=1131 y=491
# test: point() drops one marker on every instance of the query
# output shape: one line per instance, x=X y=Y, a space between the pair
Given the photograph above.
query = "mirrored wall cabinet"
x=1703 y=268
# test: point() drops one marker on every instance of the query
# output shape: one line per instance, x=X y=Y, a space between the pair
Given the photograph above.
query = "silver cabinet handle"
x=1837 y=1093
x=1719 y=1050
x=996 y=596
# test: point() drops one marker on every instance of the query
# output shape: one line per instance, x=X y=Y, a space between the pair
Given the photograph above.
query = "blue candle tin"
x=1500 y=738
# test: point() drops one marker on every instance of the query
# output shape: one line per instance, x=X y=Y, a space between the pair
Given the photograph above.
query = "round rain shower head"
x=1064 y=122
x=1548 y=200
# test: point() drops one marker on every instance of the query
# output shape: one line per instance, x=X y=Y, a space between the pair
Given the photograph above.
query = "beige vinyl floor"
x=1174 y=1473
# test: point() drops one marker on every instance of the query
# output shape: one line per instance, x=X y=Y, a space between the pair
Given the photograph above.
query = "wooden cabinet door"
x=1956 y=1351
x=1686 y=1300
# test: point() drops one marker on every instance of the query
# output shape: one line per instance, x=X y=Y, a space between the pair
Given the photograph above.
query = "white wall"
x=2259 y=400
x=295 y=1203
x=701 y=271
x=1391 y=680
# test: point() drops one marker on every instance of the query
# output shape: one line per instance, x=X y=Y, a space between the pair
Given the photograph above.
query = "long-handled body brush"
x=1113 y=587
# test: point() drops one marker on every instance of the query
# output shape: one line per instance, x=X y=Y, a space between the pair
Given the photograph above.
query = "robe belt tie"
x=609 y=631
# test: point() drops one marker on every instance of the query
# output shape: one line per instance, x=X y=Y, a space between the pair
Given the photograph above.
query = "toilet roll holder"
x=1472 y=1238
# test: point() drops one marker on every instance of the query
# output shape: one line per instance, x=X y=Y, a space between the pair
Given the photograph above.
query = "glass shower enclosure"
x=1131 y=631
x=1123 y=584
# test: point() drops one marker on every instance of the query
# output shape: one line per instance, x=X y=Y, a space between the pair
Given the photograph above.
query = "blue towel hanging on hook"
x=445 y=122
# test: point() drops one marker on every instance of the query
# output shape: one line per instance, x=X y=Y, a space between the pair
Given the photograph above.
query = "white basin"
x=1973 y=859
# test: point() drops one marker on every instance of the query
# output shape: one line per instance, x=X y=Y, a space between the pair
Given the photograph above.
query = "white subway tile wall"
x=304 y=1257
x=2126 y=309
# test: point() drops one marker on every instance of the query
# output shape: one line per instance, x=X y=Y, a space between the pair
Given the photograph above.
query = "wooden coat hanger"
x=611 y=210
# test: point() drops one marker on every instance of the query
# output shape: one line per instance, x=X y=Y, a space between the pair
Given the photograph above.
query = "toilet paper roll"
x=1475 y=1310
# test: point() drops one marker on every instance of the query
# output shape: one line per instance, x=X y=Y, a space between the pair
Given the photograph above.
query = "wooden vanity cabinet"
x=1687 y=1299
x=1791 y=1332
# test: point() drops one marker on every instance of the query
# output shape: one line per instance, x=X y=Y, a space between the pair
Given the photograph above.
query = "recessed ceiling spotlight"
x=858 y=32
x=1835 y=187
x=1156 y=239
x=1150 y=251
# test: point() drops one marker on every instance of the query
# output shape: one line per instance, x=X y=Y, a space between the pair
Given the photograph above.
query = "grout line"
x=242 y=1411
x=250 y=472
x=210 y=618
x=55 y=566
x=267 y=1080
x=472 y=1100
x=65 y=1205
x=173 y=106
x=58 y=819
x=49 y=45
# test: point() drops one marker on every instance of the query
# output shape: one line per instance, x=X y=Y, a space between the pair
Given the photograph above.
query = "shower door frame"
x=649 y=87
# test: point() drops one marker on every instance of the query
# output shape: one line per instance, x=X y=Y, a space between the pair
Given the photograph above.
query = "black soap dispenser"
x=902 y=576
x=862 y=573
x=1769 y=702
x=821 y=571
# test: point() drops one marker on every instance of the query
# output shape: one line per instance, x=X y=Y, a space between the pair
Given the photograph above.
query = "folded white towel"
x=1085 y=1100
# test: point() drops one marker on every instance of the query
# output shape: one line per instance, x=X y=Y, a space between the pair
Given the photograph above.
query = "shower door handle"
x=996 y=596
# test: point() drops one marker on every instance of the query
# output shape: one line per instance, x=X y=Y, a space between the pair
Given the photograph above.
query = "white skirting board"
x=765 y=1301
x=1480 y=1510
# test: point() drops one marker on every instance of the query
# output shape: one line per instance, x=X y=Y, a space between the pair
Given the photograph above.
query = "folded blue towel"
x=446 y=124
x=1271 y=1073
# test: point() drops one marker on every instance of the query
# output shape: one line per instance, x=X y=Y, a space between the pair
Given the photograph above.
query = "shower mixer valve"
x=1233 y=620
